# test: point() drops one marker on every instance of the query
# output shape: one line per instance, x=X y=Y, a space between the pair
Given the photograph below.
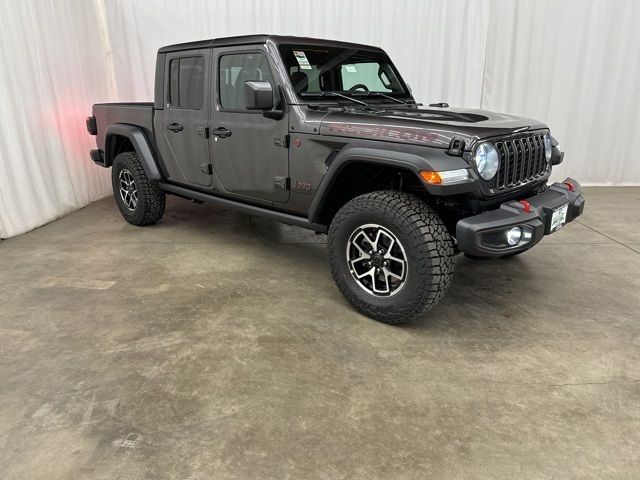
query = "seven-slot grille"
x=521 y=160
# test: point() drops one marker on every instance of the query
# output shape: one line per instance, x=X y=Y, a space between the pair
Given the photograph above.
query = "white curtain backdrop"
x=574 y=64
x=438 y=45
x=54 y=64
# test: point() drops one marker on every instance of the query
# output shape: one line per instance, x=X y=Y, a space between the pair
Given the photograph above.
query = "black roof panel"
x=253 y=39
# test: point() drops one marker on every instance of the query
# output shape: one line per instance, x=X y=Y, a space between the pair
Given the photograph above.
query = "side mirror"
x=258 y=95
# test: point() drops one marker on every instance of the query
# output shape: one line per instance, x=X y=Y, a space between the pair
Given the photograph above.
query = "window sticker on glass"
x=302 y=60
x=350 y=68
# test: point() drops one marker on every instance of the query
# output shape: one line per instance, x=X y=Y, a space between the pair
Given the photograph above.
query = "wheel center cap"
x=377 y=260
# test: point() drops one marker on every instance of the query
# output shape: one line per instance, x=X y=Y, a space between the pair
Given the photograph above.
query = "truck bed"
x=139 y=114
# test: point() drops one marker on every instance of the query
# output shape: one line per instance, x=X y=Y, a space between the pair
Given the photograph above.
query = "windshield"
x=317 y=69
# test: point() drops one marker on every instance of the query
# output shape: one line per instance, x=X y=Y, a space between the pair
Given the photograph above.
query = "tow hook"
x=526 y=206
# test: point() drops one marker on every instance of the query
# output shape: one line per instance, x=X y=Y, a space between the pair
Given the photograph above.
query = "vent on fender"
x=331 y=158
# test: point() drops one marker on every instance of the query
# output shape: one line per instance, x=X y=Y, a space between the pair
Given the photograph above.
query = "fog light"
x=513 y=236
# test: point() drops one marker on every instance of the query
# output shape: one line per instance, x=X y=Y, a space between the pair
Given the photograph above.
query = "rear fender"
x=140 y=143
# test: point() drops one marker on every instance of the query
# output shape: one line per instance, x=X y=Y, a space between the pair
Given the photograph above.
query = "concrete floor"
x=214 y=345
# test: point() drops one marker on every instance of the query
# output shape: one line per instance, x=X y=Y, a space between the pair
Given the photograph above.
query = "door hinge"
x=283 y=183
x=203 y=132
x=206 y=168
x=281 y=140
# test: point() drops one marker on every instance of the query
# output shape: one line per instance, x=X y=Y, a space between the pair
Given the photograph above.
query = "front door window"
x=234 y=71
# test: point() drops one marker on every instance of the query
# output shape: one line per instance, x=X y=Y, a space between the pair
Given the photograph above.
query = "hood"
x=423 y=126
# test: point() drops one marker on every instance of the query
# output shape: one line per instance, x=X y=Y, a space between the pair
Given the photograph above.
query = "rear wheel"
x=390 y=255
x=140 y=200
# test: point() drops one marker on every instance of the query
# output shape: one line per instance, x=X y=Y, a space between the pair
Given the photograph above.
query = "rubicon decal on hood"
x=407 y=134
x=421 y=126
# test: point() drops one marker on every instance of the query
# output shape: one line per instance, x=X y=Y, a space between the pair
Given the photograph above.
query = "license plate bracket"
x=558 y=218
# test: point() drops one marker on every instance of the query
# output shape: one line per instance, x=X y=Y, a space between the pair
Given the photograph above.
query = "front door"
x=249 y=155
x=185 y=116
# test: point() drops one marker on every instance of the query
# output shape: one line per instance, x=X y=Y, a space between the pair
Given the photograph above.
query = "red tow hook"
x=526 y=206
x=570 y=186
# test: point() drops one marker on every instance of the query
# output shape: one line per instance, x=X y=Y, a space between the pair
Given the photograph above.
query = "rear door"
x=182 y=136
x=248 y=151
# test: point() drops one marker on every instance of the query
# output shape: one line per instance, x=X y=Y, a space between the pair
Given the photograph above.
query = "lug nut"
x=386 y=262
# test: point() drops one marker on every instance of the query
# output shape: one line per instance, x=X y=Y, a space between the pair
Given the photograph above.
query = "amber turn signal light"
x=431 y=177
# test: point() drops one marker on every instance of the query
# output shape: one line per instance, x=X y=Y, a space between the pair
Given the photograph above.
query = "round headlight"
x=547 y=147
x=486 y=160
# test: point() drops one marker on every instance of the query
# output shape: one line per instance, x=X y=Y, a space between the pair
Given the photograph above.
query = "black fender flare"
x=394 y=158
x=140 y=143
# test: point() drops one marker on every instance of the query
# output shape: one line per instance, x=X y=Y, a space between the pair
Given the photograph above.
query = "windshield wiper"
x=333 y=94
x=380 y=94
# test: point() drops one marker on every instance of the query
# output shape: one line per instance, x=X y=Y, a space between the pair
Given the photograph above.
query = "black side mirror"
x=258 y=95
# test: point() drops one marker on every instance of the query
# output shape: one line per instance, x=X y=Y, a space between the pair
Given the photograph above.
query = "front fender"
x=414 y=161
x=140 y=143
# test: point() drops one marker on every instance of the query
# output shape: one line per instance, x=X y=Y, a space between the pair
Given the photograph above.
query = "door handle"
x=221 y=132
x=175 y=127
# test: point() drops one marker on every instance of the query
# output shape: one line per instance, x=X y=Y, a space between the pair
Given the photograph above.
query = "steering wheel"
x=357 y=86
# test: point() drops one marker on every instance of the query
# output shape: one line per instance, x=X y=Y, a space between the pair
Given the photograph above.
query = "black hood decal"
x=429 y=127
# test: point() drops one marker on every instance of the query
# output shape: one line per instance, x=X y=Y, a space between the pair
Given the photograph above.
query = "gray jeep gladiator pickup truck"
x=327 y=136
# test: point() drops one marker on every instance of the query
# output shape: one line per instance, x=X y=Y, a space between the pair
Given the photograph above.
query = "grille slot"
x=522 y=160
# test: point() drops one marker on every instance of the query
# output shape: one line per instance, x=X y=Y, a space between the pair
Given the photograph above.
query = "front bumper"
x=484 y=235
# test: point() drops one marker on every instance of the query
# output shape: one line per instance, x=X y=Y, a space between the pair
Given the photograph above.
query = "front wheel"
x=390 y=255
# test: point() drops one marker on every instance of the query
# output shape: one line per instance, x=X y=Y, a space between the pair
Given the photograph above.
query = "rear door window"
x=186 y=89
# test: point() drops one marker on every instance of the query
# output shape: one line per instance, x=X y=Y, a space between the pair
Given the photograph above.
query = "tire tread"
x=150 y=198
x=417 y=220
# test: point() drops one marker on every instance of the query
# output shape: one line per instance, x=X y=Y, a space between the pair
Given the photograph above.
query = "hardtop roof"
x=257 y=39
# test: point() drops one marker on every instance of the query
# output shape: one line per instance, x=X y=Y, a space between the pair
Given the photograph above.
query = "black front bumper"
x=484 y=235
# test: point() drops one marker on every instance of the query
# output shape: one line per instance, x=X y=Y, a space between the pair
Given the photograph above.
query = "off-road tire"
x=151 y=200
x=426 y=242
